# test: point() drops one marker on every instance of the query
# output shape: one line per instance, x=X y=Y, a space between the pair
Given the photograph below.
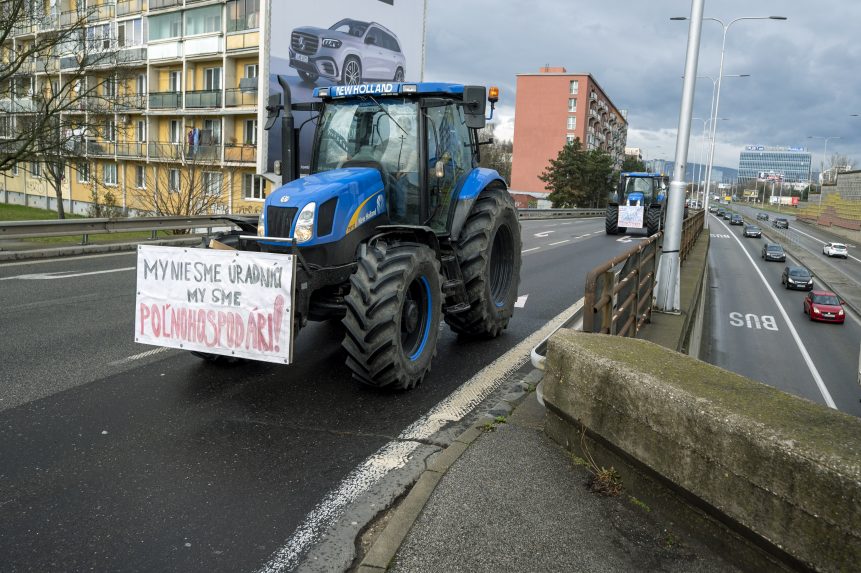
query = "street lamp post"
x=824 y=159
x=726 y=28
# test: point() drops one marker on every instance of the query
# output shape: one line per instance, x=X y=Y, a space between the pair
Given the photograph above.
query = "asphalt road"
x=758 y=328
x=122 y=457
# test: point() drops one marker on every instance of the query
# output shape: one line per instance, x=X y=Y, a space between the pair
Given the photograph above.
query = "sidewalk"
x=513 y=500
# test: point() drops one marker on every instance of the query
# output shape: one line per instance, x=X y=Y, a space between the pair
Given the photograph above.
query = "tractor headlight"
x=261 y=224
x=305 y=223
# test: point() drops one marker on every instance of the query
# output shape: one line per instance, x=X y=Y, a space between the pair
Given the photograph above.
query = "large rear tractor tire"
x=393 y=314
x=489 y=254
x=653 y=220
x=611 y=220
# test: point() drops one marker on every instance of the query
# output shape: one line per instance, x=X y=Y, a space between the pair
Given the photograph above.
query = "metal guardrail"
x=85 y=227
x=559 y=213
x=618 y=298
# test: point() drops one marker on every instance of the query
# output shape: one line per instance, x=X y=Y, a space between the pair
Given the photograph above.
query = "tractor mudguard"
x=465 y=195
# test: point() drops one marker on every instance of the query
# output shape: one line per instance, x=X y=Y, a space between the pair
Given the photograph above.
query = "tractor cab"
x=641 y=189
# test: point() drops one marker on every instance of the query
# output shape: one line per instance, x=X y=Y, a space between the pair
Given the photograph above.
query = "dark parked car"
x=727 y=215
x=797 y=278
x=736 y=220
x=720 y=211
x=780 y=223
x=752 y=231
x=762 y=216
x=713 y=208
x=825 y=306
x=773 y=252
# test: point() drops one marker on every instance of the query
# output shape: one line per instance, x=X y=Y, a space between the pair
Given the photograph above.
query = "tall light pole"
x=667 y=293
x=726 y=28
x=824 y=159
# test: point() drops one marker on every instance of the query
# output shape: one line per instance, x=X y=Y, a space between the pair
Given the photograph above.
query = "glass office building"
x=758 y=162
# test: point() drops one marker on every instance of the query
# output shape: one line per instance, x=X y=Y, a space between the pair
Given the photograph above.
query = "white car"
x=835 y=250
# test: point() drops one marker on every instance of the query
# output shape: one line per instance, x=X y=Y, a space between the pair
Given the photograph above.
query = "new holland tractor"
x=638 y=202
x=396 y=227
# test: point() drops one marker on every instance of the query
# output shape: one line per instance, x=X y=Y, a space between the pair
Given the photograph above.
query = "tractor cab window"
x=449 y=159
x=382 y=135
x=644 y=185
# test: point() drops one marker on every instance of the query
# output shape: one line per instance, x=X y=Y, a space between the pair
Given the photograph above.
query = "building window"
x=141 y=84
x=572 y=105
x=83 y=172
x=250 y=132
x=15 y=169
x=165 y=26
x=130 y=33
x=250 y=70
x=203 y=21
x=174 y=80
x=572 y=123
x=243 y=15
x=99 y=37
x=212 y=183
x=573 y=87
x=213 y=126
x=35 y=169
x=212 y=79
x=173 y=179
x=109 y=87
x=110 y=130
x=253 y=186
x=110 y=173
x=140 y=131
x=174 y=131
x=140 y=176
x=5 y=126
x=570 y=138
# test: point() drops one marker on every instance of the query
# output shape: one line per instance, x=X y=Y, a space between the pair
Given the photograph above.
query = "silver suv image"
x=350 y=52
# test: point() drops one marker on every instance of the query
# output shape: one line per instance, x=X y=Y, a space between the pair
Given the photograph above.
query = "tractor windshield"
x=381 y=134
x=644 y=185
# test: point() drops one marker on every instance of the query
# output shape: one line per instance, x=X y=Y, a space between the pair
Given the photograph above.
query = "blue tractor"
x=396 y=227
x=638 y=202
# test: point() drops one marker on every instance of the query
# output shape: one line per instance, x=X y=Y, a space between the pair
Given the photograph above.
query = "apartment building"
x=175 y=105
x=554 y=107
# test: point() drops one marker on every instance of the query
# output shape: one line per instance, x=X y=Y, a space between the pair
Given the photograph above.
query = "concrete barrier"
x=783 y=469
x=559 y=213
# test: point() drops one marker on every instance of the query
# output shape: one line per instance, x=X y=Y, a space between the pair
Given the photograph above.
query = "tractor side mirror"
x=273 y=109
x=474 y=106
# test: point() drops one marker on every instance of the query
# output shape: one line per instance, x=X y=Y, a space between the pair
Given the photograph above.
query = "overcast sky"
x=804 y=72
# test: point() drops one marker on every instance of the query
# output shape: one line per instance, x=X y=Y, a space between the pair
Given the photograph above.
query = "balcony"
x=130 y=102
x=159 y=4
x=203 y=152
x=101 y=148
x=244 y=41
x=202 y=98
x=101 y=12
x=70 y=18
x=163 y=150
x=239 y=97
x=166 y=51
x=129 y=7
x=132 y=55
x=165 y=100
x=240 y=153
x=205 y=45
x=132 y=149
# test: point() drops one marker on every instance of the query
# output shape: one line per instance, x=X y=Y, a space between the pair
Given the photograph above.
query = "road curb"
x=87 y=249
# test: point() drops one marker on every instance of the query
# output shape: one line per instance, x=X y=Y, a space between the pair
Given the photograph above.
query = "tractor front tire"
x=611 y=220
x=488 y=251
x=653 y=220
x=393 y=315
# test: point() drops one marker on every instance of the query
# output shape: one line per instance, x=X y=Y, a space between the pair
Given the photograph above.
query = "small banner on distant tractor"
x=233 y=303
x=631 y=217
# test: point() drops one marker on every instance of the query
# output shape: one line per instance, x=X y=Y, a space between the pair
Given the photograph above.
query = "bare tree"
x=49 y=83
x=496 y=155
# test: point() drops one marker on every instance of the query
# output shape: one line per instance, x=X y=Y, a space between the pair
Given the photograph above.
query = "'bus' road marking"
x=63 y=275
x=395 y=454
x=818 y=240
x=826 y=395
x=753 y=321
x=558 y=242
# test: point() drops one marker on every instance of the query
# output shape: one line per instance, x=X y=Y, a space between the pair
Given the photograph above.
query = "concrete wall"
x=786 y=470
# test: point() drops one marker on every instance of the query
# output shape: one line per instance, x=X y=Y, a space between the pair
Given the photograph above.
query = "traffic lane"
x=280 y=436
x=542 y=235
x=81 y=264
x=833 y=348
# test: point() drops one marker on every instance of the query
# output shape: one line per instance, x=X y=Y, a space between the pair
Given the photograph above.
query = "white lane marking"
x=134 y=357
x=817 y=239
x=568 y=223
x=63 y=275
x=521 y=301
x=527 y=250
x=65 y=259
x=396 y=453
x=581 y=236
x=558 y=242
x=544 y=234
x=826 y=395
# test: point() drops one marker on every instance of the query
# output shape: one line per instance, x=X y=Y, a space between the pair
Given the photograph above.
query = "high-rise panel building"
x=791 y=164
x=554 y=107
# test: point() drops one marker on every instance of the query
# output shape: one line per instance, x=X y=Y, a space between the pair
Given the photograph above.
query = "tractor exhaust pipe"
x=289 y=139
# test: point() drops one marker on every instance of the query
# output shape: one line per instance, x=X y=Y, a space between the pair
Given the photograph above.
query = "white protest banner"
x=234 y=303
x=631 y=217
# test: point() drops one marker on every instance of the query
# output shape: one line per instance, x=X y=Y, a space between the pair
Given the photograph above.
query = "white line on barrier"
x=826 y=395
x=395 y=454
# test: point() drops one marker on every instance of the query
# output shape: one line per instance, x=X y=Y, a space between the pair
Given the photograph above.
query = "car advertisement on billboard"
x=335 y=42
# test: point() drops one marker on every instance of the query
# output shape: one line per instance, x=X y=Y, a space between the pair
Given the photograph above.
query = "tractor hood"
x=344 y=199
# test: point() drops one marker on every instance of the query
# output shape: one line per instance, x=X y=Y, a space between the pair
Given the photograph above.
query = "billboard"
x=333 y=42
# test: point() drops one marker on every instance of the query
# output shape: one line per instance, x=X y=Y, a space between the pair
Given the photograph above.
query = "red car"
x=825 y=306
